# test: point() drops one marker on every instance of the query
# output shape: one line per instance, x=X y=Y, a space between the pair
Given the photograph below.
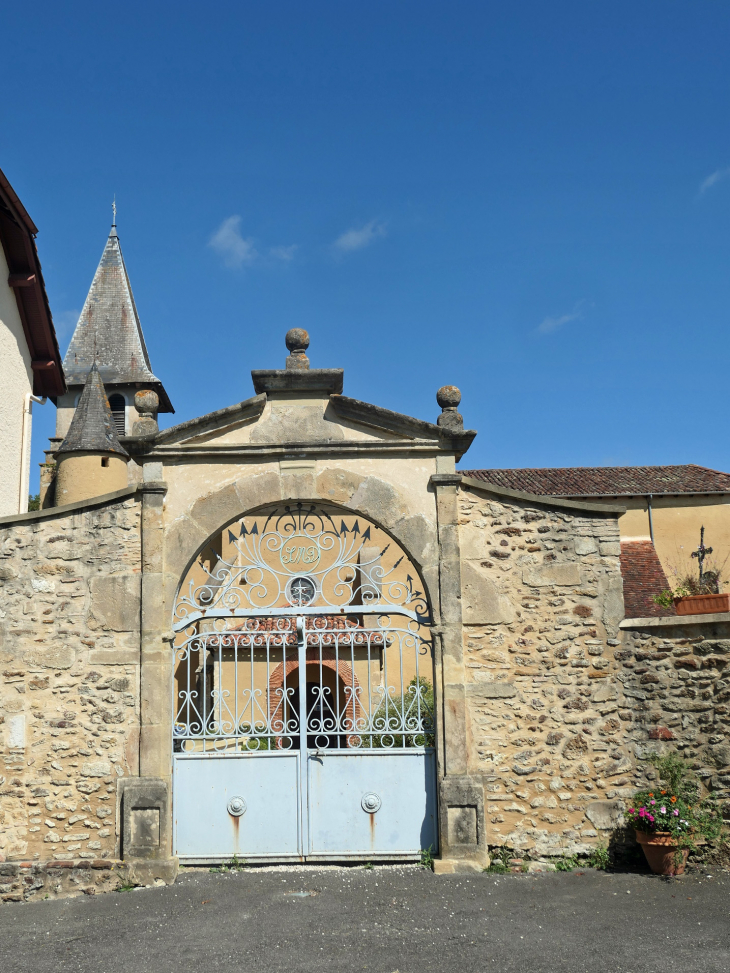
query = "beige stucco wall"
x=677 y=522
x=16 y=381
x=82 y=476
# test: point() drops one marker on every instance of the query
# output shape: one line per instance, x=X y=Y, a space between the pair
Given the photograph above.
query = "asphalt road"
x=381 y=921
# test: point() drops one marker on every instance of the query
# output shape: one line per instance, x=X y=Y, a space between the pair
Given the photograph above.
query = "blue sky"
x=528 y=200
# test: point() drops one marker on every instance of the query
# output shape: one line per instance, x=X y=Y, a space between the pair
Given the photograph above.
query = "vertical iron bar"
x=303 y=768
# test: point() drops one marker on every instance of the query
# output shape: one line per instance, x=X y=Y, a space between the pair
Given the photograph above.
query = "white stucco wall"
x=16 y=381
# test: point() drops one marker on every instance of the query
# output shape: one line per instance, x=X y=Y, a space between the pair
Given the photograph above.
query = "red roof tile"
x=643 y=577
x=608 y=481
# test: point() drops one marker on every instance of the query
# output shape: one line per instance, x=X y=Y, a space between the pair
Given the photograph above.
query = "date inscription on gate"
x=299 y=552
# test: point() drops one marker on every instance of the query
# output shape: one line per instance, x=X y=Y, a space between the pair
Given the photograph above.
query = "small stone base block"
x=457 y=866
x=148 y=871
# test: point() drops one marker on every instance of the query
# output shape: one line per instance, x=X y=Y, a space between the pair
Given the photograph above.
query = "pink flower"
x=663 y=810
x=652 y=802
x=632 y=811
x=676 y=814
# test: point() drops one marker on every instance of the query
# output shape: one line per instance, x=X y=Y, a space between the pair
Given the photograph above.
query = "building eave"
x=17 y=237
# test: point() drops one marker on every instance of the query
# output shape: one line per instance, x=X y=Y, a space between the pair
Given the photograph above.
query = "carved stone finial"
x=449 y=397
x=297 y=341
x=147 y=404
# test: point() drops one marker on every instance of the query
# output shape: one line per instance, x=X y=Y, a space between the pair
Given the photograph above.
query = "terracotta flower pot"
x=660 y=850
x=702 y=604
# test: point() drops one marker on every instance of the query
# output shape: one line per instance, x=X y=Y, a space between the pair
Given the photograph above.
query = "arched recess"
x=363 y=611
x=372 y=497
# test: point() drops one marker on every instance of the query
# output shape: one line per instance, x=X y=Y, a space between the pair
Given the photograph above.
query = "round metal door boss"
x=236 y=806
x=371 y=802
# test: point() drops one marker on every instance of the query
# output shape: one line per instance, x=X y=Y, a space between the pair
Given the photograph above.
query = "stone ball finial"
x=297 y=341
x=147 y=402
x=449 y=397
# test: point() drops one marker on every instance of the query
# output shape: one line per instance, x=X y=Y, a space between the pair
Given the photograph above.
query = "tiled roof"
x=608 y=481
x=643 y=577
x=109 y=331
x=92 y=427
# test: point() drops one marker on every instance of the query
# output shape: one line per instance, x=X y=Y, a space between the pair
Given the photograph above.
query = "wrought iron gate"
x=304 y=721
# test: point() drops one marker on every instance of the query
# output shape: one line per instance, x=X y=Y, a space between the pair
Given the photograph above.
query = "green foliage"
x=675 y=805
x=427 y=858
x=599 y=858
x=391 y=712
x=368 y=866
x=566 y=864
x=125 y=887
x=234 y=865
x=34 y=501
x=500 y=861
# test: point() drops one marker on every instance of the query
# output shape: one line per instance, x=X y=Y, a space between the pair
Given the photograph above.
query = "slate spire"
x=109 y=332
x=92 y=427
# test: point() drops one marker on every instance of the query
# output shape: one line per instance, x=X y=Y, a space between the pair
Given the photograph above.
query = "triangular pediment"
x=298 y=419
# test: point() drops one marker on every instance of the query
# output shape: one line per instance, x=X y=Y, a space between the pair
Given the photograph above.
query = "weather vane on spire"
x=114 y=210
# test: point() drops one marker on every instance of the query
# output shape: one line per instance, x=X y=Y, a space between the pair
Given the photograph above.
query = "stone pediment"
x=299 y=407
x=300 y=419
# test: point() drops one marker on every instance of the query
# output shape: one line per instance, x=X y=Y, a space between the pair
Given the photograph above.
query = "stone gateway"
x=296 y=631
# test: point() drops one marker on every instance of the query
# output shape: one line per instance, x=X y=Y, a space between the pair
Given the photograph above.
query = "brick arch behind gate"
x=353 y=709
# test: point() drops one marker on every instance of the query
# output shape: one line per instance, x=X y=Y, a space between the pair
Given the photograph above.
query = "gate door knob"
x=371 y=802
x=236 y=806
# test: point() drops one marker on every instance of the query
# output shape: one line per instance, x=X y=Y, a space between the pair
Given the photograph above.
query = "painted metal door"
x=305 y=732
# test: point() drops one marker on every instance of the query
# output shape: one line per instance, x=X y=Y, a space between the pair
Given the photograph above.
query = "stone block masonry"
x=675 y=678
x=542 y=605
x=69 y=695
x=567 y=701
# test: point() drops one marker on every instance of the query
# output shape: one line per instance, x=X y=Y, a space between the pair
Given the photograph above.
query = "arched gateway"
x=303 y=692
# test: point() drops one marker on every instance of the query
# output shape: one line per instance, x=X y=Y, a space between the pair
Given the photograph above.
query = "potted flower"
x=672 y=818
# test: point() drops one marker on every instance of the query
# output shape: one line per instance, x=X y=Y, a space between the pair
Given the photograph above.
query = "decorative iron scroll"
x=301 y=559
x=238 y=691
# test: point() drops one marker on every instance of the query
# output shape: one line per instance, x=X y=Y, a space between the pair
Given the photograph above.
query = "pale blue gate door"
x=304 y=729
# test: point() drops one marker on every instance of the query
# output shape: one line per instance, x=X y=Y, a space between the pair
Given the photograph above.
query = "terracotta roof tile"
x=643 y=577
x=608 y=481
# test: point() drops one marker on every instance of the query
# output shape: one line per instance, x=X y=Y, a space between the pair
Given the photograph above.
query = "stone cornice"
x=672 y=621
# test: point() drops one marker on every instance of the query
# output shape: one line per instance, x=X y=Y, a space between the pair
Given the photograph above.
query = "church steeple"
x=109 y=332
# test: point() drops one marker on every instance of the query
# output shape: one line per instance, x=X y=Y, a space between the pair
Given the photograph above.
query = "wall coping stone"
x=48 y=512
x=673 y=621
x=597 y=508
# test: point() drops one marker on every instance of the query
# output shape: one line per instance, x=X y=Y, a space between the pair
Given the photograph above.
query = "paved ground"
x=384 y=920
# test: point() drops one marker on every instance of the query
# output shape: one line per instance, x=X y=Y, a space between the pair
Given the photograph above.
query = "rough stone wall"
x=541 y=604
x=675 y=682
x=69 y=662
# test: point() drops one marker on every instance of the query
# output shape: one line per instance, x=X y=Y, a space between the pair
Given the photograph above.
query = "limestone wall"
x=69 y=660
x=675 y=681
x=542 y=601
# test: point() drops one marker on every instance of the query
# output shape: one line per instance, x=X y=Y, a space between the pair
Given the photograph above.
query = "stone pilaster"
x=155 y=748
x=461 y=799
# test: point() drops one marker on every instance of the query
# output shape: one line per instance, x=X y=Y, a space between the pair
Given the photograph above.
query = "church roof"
x=109 y=331
x=609 y=481
x=92 y=427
